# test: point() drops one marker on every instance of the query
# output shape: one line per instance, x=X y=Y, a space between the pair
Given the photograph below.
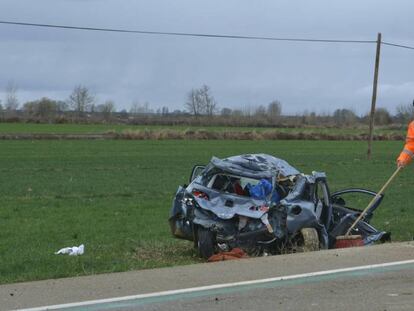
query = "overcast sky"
x=241 y=73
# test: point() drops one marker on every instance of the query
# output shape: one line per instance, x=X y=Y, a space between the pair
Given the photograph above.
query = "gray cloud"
x=161 y=69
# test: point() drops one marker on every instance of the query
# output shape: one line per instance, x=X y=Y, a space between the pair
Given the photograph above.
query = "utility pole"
x=374 y=97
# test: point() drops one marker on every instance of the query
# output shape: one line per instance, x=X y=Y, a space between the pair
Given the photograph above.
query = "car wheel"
x=307 y=240
x=310 y=239
x=205 y=243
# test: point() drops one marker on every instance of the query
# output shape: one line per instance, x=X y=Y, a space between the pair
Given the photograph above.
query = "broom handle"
x=373 y=200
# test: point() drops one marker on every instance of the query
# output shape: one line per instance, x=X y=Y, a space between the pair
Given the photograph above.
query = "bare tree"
x=12 y=103
x=107 y=109
x=226 y=112
x=209 y=104
x=138 y=108
x=91 y=108
x=345 y=116
x=200 y=101
x=260 y=111
x=134 y=108
x=165 y=111
x=248 y=110
x=193 y=103
x=62 y=106
x=274 y=109
x=405 y=113
x=80 y=100
x=382 y=116
x=237 y=113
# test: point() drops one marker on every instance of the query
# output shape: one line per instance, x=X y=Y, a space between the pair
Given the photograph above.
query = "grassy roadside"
x=114 y=196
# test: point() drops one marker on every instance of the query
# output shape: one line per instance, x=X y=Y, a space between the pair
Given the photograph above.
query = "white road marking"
x=216 y=286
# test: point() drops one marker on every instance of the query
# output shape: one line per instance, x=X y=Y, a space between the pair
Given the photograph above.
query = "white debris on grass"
x=72 y=251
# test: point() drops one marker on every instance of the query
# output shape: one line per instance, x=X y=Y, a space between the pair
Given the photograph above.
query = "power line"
x=205 y=35
x=398 y=45
x=187 y=34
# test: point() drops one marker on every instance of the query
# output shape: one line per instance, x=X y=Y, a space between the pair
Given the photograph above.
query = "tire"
x=205 y=243
x=307 y=240
x=310 y=239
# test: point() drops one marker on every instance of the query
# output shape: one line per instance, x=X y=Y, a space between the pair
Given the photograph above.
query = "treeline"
x=200 y=109
x=49 y=111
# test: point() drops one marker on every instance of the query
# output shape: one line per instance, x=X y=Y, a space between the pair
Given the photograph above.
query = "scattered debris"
x=235 y=253
x=72 y=251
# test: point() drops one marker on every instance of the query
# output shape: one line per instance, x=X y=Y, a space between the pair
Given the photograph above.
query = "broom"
x=347 y=240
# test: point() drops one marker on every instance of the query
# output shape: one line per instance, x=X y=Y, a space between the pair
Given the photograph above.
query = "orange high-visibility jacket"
x=407 y=154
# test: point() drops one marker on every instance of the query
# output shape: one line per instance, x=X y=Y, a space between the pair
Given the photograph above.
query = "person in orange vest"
x=407 y=154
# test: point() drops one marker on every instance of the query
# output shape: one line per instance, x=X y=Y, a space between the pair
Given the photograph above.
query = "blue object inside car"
x=261 y=190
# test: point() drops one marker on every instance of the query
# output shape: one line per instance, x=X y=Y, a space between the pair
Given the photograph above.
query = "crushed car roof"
x=255 y=165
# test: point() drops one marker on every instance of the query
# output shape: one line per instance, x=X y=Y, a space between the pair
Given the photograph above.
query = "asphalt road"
x=378 y=291
x=273 y=283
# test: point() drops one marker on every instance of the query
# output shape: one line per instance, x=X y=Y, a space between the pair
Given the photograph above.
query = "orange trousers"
x=407 y=154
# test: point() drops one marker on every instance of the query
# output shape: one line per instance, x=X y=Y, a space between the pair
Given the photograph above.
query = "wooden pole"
x=374 y=97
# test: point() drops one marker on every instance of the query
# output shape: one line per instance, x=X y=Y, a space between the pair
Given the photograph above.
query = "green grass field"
x=6 y=128
x=114 y=196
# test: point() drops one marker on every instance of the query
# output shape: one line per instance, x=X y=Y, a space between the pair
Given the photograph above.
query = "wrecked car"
x=263 y=205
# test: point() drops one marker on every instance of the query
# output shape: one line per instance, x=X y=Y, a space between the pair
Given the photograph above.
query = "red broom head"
x=345 y=241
